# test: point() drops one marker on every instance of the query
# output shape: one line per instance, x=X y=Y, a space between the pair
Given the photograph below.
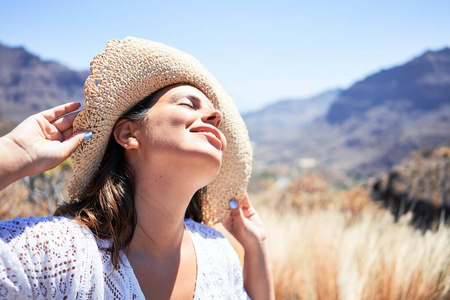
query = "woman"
x=153 y=159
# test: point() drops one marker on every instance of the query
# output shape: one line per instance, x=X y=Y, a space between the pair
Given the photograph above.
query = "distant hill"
x=266 y=124
x=361 y=131
x=370 y=126
x=422 y=84
x=29 y=84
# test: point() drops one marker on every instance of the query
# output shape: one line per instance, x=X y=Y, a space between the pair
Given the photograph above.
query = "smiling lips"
x=210 y=132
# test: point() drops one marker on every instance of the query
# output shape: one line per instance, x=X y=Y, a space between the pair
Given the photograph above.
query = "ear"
x=125 y=134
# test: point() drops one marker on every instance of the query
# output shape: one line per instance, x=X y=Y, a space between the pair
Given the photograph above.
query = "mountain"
x=266 y=124
x=361 y=131
x=29 y=84
x=370 y=127
x=421 y=84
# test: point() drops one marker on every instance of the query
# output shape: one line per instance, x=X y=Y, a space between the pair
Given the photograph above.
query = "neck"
x=160 y=205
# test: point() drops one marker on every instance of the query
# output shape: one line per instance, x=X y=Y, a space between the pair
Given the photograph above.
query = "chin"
x=213 y=166
x=210 y=156
x=209 y=167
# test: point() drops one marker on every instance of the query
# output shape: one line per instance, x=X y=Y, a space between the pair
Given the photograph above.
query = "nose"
x=213 y=117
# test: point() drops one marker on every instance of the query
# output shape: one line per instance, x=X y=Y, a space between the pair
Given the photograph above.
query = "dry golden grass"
x=325 y=243
x=12 y=202
x=330 y=244
x=37 y=195
x=324 y=255
x=15 y=202
x=310 y=193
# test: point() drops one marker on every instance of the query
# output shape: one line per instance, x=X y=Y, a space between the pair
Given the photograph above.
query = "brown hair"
x=106 y=205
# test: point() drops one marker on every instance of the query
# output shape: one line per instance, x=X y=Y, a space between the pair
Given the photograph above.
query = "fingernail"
x=88 y=135
x=233 y=204
x=79 y=104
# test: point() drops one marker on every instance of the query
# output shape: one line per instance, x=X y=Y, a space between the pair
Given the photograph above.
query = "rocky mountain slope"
x=371 y=126
x=423 y=84
x=361 y=131
x=420 y=184
x=29 y=84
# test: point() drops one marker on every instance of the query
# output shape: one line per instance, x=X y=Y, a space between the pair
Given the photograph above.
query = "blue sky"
x=261 y=51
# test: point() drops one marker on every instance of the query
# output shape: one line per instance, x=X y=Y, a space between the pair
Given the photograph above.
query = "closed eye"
x=188 y=105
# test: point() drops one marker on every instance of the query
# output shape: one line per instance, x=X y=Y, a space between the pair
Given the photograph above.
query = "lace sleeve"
x=48 y=257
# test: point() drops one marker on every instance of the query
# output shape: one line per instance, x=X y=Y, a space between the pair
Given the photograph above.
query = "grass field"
x=327 y=243
x=324 y=243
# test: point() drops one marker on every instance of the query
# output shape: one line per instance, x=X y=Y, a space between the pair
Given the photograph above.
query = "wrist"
x=256 y=251
x=257 y=260
x=17 y=159
x=257 y=273
x=254 y=245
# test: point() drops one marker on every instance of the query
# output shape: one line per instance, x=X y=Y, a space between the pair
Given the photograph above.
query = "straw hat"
x=125 y=73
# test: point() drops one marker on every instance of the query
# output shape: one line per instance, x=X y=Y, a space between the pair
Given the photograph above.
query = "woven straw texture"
x=125 y=73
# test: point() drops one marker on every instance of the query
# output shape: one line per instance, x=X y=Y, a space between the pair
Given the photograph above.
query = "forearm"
x=257 y=273
x=13 y=160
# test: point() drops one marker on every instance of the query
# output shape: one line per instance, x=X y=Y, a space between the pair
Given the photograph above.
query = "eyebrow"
x=194 y=98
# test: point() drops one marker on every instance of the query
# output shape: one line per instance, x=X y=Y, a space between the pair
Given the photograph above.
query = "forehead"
x=174 y=93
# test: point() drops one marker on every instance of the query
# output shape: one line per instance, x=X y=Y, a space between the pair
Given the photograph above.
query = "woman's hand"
x=39 y=143
x=246 y=226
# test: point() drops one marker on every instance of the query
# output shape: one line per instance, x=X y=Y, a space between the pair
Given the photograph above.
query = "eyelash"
x=188 y=105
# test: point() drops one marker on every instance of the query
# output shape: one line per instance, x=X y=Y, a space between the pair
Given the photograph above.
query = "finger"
x=72 y=143
x=49 y=131
x=234 y=208
x=245 y=202
x=67 y=134
x=54 y=113
x=65 y=122
x=236 y=214
x=247 y=207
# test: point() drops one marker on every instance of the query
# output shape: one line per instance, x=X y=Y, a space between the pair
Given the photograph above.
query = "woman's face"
x=182 y=128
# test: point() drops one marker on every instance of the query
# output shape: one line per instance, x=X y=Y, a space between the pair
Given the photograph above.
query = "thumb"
x=236 y=213
x=74 y=141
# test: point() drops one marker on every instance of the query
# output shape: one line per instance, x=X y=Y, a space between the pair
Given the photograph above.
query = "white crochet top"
x=57 y=258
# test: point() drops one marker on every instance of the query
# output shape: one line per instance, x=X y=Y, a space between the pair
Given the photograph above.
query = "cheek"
x=170 y=118
x=166 y=130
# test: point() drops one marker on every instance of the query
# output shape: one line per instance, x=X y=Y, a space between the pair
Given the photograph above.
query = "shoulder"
x=53 y=256
x=210 y=240
x=42 y=228
x=202 y=230
x=45 y=234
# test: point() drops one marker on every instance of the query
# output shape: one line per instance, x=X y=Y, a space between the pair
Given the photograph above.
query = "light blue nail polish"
x=79 y=104
x=88 y=135
x=233 y=204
